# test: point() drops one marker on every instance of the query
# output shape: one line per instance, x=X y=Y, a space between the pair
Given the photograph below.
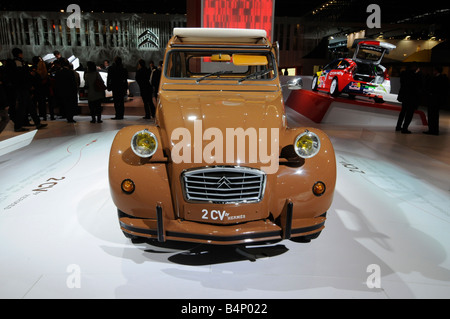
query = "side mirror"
x=295 y=83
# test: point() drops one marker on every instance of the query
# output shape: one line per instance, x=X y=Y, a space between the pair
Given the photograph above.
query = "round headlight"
x=307 y=144
x=144 y=143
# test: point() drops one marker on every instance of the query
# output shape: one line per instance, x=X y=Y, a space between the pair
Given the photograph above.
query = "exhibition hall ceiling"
x=432 y=16
x=345 y=10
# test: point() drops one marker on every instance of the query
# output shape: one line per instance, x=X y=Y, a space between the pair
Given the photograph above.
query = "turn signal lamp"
x=319 y=188
x=127 y=186
x=307 y=144
x=144 y=143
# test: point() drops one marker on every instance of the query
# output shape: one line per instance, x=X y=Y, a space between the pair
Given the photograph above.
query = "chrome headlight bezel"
x=307 y=137
x=143 y=151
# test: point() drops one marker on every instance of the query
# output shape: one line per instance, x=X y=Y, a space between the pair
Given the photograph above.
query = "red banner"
x=242 y=14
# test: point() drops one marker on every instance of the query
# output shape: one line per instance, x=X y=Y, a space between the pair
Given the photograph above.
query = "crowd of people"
x=39 y=91
x=35 y=90
x=19 y=83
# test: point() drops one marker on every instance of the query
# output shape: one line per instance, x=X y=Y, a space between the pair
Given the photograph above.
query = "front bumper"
x=163 y=229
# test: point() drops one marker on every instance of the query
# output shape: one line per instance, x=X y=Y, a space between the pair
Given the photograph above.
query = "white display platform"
x=360 y=111
x=16 y=142
x=354 y=115
x=60 y=237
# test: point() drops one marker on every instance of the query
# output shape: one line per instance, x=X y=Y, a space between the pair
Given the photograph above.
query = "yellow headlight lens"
x=307 y=144
x=144 y=143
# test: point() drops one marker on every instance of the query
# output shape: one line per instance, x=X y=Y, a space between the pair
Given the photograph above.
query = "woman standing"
x=96 y=91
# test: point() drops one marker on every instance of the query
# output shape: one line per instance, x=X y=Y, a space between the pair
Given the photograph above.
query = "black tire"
x=334 y=87
x=314 y=82
x=378 y=100
x=308 y=238
x=305 y=239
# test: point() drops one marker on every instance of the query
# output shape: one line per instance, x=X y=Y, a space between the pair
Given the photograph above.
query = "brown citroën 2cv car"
x=220 y=165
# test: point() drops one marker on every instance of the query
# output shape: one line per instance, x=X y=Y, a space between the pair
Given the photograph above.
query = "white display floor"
x=387 y=233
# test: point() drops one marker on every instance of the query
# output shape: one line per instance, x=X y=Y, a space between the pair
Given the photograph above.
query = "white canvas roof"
x=219 y=34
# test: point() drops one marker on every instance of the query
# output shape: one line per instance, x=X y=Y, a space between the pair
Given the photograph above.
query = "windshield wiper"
x=257 y=73
x=212 y=74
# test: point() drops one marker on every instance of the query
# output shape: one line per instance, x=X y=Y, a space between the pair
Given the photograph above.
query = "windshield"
x=225 y=65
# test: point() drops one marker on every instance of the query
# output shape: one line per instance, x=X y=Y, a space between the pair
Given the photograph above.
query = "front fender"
x=295 y=181
x=149 y=176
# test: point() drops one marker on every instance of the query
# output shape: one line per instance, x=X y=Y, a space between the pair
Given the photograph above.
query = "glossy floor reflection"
x=60 y=237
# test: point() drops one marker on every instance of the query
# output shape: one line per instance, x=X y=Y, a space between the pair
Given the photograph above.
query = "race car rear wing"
x=371 y=51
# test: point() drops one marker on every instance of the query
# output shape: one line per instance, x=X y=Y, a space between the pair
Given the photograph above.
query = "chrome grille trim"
x=223 y=184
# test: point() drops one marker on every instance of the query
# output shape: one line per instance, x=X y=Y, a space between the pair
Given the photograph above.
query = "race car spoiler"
x=373 y=44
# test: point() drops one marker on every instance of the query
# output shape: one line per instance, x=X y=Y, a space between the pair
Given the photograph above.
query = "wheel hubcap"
x=333 y=86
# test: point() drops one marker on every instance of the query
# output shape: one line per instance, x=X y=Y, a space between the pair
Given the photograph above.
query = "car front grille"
x=224 y=184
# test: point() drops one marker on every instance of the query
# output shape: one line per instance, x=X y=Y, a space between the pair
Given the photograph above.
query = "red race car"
x=361 y=75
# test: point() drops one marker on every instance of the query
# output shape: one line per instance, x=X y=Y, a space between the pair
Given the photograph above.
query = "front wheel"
x=334 y=87
x=306 y=238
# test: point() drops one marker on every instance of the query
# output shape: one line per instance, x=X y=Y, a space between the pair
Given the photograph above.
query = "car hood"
x=216 y=112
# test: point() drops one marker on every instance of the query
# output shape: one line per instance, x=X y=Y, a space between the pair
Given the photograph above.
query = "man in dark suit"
x=66 y=89
x=409 y=95
x=118 y=84
x=437 y=92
